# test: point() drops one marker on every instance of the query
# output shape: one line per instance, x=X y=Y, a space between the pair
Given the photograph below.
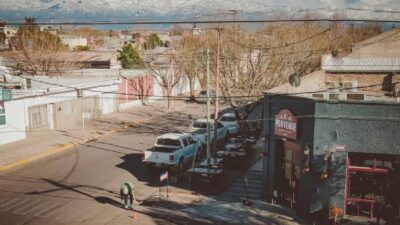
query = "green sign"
x=5 y=95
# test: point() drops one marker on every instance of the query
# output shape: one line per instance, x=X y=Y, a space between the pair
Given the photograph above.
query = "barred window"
x=2 y=114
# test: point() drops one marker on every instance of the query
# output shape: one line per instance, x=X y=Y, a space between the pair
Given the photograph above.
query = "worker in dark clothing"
x=126 y=191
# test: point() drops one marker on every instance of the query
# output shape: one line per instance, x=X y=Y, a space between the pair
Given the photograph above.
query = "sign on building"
x=5 y=95
x=286 y=124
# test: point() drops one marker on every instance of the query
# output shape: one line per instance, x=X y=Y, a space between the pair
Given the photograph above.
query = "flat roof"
x=356 y=64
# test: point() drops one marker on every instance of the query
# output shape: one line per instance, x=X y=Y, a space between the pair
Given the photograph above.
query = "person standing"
x=126 y=191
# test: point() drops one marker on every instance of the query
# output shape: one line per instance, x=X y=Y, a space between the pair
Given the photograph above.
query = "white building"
x=73 y=41
x=45 y=106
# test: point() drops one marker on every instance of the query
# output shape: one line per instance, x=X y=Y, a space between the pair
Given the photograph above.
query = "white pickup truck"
x=172 y=150
x=199 y=129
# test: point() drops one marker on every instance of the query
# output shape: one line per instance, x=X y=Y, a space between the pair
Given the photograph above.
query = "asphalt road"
x=80 y=185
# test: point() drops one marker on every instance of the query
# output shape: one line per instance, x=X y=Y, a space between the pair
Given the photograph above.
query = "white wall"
x=73 y=42
x=17 y=118
x=14 y=129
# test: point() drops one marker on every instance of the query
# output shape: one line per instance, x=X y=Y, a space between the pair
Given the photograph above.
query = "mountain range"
x=118 y=10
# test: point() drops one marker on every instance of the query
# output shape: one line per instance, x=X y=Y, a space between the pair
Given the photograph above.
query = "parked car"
x=202 y=97
x=199 y=129
x=229 y=120
x=172 y=150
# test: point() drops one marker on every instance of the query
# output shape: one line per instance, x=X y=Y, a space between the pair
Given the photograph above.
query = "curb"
x=36 y=157
x=62 y=147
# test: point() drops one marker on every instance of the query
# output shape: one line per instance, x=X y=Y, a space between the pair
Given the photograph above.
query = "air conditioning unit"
x=355 y=96
x=333 y=85
x=334 y=96
x=321 y=95
x=350 y=86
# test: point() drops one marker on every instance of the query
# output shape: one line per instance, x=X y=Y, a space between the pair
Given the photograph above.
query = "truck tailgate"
x=156 y=157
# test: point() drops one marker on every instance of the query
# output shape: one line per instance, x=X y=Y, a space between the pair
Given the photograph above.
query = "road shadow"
x=133 y=164
x=109 y=201
x=88 y=191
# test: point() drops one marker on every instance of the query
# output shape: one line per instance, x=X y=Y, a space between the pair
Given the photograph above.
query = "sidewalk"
x=194 y=209
x=42 y=144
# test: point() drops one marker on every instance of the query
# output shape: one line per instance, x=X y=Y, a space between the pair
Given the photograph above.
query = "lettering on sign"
x=286 y=124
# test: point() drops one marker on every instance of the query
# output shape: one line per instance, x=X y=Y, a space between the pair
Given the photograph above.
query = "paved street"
x=80 y=185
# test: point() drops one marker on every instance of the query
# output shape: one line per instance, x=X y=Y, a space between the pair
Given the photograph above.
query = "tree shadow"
x=109 y=201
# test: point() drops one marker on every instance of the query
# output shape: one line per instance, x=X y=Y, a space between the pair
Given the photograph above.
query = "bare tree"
x=38 y=52
x=255 y=61
x=189 y=59
x=142 y=88
x=165 y=71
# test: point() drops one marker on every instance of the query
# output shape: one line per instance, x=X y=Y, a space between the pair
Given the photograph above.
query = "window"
x=365 y=173
x=199 y=125
x=166 y=141
x=2 y=114
x=191 y=141
x=185 y=142
x=164 y=149
x=228 y=119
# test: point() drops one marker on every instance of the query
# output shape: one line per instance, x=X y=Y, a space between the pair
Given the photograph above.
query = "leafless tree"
x=38 y=52
x=165 y=71
x=190 y=59
x=142 y=88
x=255 y=61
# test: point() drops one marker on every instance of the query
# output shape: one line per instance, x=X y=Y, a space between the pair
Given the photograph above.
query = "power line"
x=188 y=98
x=209 y=22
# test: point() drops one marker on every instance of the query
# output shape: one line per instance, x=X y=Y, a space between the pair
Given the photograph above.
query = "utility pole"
x=217 y=89
x=217 y=73
x=208 y=108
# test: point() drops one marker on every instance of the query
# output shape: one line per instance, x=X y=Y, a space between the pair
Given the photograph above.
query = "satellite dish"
x=294 y=80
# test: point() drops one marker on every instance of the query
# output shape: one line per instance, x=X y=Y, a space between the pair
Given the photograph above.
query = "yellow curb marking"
x=54 y=150
x=36 y=157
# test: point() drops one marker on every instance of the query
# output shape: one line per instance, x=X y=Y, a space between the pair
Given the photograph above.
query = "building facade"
x=327 y=157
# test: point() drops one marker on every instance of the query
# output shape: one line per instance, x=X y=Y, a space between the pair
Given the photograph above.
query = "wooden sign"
x=286 y=124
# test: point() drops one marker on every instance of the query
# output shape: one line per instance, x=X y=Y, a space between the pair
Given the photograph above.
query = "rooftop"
x=365 y=64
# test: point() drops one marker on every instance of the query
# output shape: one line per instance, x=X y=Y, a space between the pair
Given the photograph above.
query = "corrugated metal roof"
x=370 y=64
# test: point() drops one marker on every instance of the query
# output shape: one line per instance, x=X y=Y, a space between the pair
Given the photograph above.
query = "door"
x=186 y=148
x=38 y=117
x=291 y=167
x=221 y=131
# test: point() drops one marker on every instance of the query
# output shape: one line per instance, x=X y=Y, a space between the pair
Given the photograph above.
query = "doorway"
x=287 y=173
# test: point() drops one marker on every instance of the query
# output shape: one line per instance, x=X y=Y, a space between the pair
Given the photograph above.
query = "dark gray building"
x=327 y=157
